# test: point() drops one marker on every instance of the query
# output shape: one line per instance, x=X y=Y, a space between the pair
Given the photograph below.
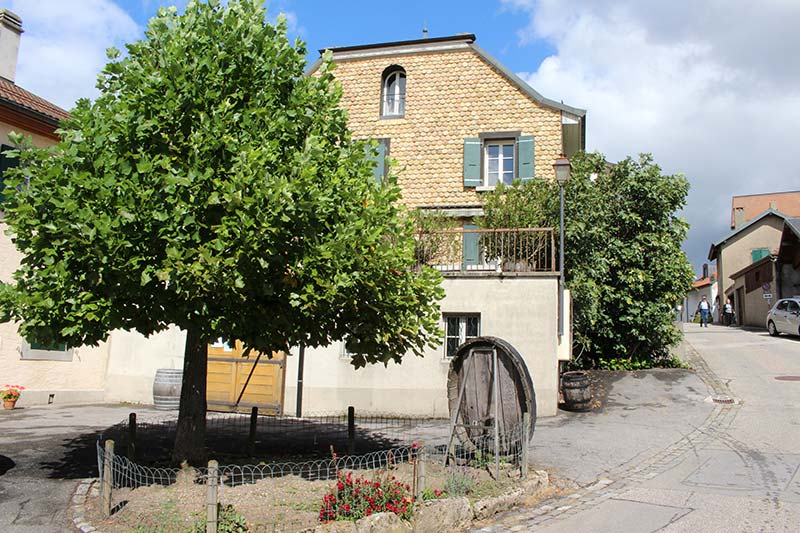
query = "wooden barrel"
x=472 y=366
x=167 y=388
x=577 y=393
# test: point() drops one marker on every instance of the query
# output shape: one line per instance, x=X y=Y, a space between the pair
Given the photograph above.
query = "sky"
x=710 y=87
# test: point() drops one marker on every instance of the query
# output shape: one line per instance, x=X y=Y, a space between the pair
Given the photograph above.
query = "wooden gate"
x=229 y=373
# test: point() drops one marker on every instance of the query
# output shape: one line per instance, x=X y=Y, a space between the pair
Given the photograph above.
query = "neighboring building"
x=755 y=291
x=49 y=373
x=787 y=264
x=757 y=239
x=747 y=207
x=706 y=285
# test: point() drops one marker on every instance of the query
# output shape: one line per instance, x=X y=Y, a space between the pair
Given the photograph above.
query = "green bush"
x=354 y=498
x=229 y=521
x=459 y=482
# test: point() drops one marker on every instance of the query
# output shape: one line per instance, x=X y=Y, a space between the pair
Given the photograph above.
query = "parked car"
x=784 y=317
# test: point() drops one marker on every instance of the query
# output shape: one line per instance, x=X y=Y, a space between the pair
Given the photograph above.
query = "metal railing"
x=487 y=250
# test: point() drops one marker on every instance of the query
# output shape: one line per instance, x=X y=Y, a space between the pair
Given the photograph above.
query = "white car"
x=784 y=317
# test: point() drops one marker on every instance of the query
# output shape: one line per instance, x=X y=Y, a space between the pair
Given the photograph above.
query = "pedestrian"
x=728 y=310
x=704 y=308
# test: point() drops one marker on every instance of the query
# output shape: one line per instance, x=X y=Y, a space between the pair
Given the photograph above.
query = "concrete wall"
x=450 y=95
x=521 y=310
x=735 y=253
x=756 y=306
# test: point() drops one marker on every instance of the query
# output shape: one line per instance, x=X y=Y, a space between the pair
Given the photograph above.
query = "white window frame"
x=30 y=354
x=462 y=329
x=399 y=108
x=500 y=159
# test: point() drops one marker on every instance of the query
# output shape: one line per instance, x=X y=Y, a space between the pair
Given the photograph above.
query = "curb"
x=619 y=479
x=77 y=508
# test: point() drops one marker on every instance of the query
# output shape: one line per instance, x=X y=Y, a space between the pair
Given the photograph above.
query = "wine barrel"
x=577 y=392
x=167 y=388
x=472 y=365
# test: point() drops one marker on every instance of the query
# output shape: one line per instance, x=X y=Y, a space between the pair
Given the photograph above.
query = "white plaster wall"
x=133 y=360
x=695 y=295
x=521 y=310
x=736 y=253
x=80 y=380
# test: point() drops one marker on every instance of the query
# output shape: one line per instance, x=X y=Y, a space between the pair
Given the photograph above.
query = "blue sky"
x=711 y=88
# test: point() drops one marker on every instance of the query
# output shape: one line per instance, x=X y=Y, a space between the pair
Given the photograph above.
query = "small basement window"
x=45 y=352
x=458 y=330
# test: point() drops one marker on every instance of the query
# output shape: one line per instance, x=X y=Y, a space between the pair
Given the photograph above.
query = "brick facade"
x=450 y=95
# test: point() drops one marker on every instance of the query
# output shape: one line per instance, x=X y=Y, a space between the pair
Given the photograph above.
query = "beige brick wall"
x=450 y=95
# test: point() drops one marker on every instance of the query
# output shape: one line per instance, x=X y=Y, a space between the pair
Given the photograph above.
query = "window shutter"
x=471 y=247
x=758 y=254
x=5 y=163
x=472 y=162
x=525 y=154
x=378 y=157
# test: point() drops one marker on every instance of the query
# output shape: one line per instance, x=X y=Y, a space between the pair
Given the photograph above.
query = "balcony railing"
x=488 y=250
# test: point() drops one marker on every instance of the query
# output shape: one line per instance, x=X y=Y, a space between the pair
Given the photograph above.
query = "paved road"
x=737 y=470
x=43 y=453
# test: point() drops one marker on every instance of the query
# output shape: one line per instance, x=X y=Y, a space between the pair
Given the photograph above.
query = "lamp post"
x=562 y=168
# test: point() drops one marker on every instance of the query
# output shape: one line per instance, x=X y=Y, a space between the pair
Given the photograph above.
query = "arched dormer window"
x=393 y=93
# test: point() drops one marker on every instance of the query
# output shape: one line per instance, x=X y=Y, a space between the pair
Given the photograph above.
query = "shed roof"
x=15 y=96
x=712 y=252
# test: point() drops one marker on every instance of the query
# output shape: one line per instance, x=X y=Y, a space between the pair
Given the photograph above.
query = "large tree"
x=623 y=259
x=214 y=186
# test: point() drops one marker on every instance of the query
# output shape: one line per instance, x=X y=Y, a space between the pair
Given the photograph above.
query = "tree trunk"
x=190 y=437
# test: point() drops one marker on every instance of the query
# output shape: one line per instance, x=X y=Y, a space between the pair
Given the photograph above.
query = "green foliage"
x=460 y=481
x=430 y=242
x=623 y=258
x=214 y=186
x=228 y=521
x=166 y=519
x=432 y=494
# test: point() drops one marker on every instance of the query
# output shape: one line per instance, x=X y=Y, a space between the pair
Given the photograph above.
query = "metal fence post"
x=526 y=431
x=132 y=436
x=212 y=497
x=108 y=478
x=251 y=438
x=351 y=430
x=422 y=456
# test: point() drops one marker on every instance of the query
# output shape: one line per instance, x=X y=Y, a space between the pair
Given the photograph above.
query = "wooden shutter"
x=472 y=162
x=758 y=254
x=525 y=157
x=378 y=157
x=471 y=247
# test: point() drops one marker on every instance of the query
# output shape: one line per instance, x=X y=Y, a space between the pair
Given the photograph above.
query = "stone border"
x=86 y=488
x=622 y=476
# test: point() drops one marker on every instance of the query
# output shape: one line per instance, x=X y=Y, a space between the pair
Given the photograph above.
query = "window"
x=792 y=307
x=499 y=157
x=458 y=330
x=782 y=305
x=393 y=92
x=5 y=163
x=499 y=160
x=45 y=352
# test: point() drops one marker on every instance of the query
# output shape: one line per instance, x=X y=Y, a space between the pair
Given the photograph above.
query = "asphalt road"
x=736 y=470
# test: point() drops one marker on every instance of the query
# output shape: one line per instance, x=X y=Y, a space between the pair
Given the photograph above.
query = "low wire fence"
x=410 y=449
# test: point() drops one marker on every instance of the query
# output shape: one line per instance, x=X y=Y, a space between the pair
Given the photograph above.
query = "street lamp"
x=562 y=168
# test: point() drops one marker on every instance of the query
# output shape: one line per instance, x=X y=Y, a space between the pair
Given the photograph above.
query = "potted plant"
x=10 y=395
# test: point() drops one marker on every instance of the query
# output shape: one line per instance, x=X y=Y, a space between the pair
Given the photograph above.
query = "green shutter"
x=377 y=155
x=525 y=154
x=5 y=163
x=758 y=254
x=471 y=248
x=472 y=162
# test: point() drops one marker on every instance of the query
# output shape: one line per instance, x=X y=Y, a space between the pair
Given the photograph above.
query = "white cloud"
x=63 y=47
x=711 y=88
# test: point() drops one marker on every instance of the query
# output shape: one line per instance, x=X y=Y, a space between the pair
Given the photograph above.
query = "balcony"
x=498 y=251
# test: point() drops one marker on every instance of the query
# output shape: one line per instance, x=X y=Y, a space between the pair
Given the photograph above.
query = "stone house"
x=457 y=123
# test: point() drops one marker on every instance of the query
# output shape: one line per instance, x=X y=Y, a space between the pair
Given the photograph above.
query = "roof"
x=15 y=96
x=702 y=282
x=465 y=40
x=751 y=266
x=712 y=252
x=787 y=202
x=794 y=225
